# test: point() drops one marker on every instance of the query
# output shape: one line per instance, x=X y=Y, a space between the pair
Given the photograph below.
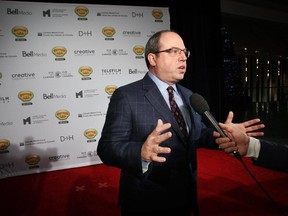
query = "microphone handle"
x=216 y=126
x=214 y=123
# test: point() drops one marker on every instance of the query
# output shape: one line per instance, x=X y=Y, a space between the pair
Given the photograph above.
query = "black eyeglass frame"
x=185 y=51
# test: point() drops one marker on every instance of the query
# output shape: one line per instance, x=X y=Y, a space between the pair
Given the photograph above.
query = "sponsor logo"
x=33 y=54
x=4 y=144
x=23 y=76
x=53 y=96
x=55 y=13
x=88 y=93
x=85 y=33
x=4 y=100
x=90 y=134
x=62 y=115
x=82 y=12
x=57 y=74
x=115 y=52
x=109 y=89
x=36 y=142
x=131 y=33
x=66 y=138
x=20 y=32
x=157 y=14
x=139 y=51
x=59 y=52
x=54 y=34
x=136 y=71
x=111 y=14
x=87 y=154
x=85 y=72
x=35 y=119
x=6 y=167
x=111 y=71
x=6 y=55
x=26 y=96
x=137 y=15
x=59 y=157
x=108 y=32
x=17 y=12
x=84 y=52
x=6 y=123
x=32 y=160
x=89 y=114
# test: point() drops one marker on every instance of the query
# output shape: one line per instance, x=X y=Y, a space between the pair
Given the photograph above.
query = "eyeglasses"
x=174 y=51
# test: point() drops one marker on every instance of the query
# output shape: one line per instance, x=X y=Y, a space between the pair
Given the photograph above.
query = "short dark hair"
x=153 y=44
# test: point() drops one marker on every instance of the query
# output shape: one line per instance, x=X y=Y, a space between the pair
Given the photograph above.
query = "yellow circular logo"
x=25 y=95
x=110 y=89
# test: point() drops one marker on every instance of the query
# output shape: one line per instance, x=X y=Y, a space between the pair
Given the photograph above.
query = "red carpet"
x=225 y=188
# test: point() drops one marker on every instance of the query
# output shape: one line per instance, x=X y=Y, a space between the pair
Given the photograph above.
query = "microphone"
x=201 y=106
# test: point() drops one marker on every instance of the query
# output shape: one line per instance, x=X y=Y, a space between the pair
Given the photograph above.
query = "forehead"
x=171 y=39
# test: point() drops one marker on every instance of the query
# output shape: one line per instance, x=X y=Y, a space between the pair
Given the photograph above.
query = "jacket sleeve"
x=273 y=156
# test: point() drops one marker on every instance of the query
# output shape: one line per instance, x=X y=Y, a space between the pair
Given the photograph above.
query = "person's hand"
x=151 y=147
x=249 y=127
x=237 y=139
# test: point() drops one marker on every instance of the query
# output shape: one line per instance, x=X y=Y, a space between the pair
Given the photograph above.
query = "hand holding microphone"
x=201 y=106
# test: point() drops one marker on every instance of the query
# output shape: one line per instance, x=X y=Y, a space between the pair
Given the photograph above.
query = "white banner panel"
x=59 y=65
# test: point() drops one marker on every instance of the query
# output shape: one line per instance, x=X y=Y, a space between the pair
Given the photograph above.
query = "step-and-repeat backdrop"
x=59 y=65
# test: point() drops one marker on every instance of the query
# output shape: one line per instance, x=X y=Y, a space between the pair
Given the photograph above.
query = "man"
x=264 y=153
x=141 y=136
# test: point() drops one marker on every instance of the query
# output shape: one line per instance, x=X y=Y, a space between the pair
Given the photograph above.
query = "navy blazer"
x=273 y=155
x=131 y=116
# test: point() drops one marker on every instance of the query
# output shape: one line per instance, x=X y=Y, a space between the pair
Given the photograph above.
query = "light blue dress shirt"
x=162 y=86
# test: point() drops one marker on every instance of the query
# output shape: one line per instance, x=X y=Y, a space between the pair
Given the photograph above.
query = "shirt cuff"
x=254 y=148
x=145 y=165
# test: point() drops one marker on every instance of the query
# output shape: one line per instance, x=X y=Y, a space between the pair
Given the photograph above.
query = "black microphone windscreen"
x=199 y=103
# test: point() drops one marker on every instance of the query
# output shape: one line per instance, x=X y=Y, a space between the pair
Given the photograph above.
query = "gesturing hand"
x=249 y=127
x=151 y=147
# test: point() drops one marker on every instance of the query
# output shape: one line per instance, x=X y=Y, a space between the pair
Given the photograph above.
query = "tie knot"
x=170 y=90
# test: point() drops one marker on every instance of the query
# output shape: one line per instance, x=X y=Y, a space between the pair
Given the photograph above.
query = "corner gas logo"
x=62 y=114
x=90 y=133
x=157 y=13
x=19 y=32
x=26 y=96
x=4 y=144
x=109 y=32
x=139 y=51
x=82 y=12
x=110 y=89
x=32 y=159
x=85 y=72
x=59 y=51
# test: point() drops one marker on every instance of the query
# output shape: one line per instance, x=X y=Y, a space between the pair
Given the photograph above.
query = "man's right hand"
x=151 y=147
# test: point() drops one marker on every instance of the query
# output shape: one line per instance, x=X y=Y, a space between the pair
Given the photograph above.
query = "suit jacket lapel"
x=156 y=99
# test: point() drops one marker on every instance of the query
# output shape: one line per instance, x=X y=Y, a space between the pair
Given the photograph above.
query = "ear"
x=152 y=59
